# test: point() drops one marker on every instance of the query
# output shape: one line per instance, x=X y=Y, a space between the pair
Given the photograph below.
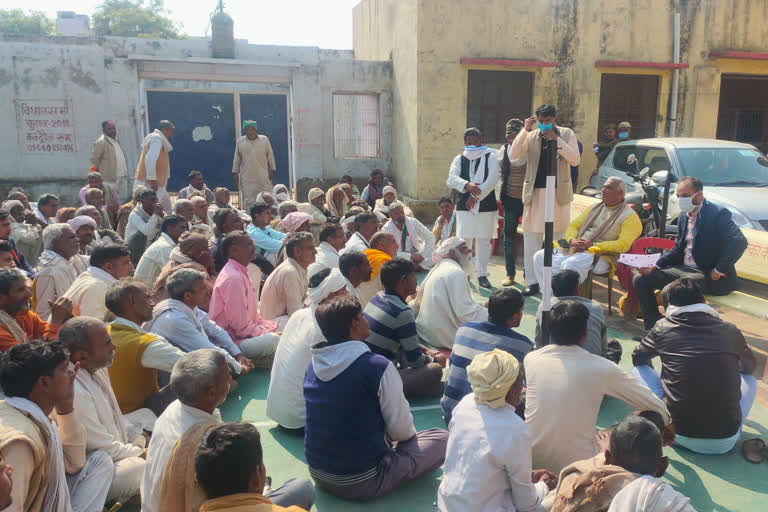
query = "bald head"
x=384 y=242
x=613 y=192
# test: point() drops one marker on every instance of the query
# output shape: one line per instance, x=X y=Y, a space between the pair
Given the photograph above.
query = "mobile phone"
x=563 y=243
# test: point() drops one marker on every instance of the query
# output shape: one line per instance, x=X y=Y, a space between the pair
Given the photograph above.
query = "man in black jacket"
x=708 y=246
x=706 y=368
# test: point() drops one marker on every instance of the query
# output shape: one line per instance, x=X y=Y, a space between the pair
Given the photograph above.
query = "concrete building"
x=69 y=23
x=326 y=114
x=457 y=64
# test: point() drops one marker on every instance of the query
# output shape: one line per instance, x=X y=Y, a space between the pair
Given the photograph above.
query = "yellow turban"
x=491 y=374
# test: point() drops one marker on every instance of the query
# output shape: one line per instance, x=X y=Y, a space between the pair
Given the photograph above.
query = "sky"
x=323 y=23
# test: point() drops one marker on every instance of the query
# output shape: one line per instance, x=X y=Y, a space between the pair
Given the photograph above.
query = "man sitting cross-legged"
x=393 y=332
x=17 y=323
x=51 y=469
x=159 y=253
x=285 y=398
x=366 y=225
x=706 y=368
x=96 y=408
x=229 y=466
x=488 y=464
x=505 y=311
x=565 y=388
x=363 y=451
x=235 y=302
x=138 y=354
x=383 y=249
x=414 y=241
x=444 y=300
x=356 y=269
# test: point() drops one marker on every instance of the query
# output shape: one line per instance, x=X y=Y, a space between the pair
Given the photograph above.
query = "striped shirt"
x=393 y=331
x=474 y=338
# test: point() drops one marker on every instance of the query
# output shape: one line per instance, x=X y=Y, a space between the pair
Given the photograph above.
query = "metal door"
x=204 y=139
x=270 y=111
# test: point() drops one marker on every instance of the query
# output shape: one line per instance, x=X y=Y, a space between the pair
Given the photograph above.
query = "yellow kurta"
x=253 y=161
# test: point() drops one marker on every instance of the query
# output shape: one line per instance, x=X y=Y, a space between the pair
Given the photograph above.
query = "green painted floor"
x=714 y=483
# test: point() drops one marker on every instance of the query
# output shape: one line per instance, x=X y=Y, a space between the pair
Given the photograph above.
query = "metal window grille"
x=355 y=126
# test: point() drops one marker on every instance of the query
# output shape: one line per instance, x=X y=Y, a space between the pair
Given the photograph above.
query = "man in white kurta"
x=415 y=242
x=56 y=271
x=474 y=174
x=154 y=259
x=253 y=166
x=444 y=300
x=88 y=291
x=332 y=240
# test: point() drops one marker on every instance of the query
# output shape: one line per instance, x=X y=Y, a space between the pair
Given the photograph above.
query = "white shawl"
x=649 y=494
x=99 y=387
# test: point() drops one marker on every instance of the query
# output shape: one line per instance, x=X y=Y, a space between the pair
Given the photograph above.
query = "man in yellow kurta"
x=254 y=164
x=608 y=229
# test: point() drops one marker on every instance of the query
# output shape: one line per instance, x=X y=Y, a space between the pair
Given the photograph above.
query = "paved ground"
x=714 y=483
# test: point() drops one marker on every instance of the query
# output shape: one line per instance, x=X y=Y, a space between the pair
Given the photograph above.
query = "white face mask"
x=686 y=204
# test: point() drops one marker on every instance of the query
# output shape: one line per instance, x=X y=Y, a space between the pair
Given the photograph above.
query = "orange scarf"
x=376 y=258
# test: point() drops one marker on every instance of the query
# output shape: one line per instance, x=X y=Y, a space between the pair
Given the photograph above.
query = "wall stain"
x=566 y=43
x=50 y=77
x=83 y=78
x=5 y=77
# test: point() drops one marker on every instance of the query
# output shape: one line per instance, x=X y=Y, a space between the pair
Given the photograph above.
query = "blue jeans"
x=652 y=380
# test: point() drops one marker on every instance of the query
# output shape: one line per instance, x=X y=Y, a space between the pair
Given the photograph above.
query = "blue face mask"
x=623 y=135
x=544 y=127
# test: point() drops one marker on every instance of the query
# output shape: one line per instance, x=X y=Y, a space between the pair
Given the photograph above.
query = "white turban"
x=280 y=192
x=314 y=193
x=80 y=221
x=491 y=374
x=445 y=248
x=331 y=284
x=389 y=189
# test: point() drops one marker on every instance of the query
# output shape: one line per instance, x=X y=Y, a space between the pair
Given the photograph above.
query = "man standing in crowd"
x=708 y=246
x=108 y=159
x=474 y=175
x=197 y=184
x=545 y=144
x=512 y=177
x=253 y=166
x=154 y=166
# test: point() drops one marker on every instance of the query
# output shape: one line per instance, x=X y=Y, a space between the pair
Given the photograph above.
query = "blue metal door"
x=204 y=139
x=270 y=111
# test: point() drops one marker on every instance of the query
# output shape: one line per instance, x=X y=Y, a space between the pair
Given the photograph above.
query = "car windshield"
x=725 y=167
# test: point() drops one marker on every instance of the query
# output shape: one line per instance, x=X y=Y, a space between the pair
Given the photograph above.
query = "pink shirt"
x=688 y=254
x=235 y=306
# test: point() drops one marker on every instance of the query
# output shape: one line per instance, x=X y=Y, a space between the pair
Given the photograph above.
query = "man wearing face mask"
x=708 y=246
x=625 y=131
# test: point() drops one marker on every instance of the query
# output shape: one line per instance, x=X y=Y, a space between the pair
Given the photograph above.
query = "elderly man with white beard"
x=444 y=300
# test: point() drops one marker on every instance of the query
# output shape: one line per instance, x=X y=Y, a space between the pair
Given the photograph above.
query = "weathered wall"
x=572 y=33
x=104 y=78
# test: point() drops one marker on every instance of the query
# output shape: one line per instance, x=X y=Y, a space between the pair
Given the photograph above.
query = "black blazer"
x=718 y=242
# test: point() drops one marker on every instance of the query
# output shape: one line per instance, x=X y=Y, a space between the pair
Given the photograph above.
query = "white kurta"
x=54 y=277
x=149 y=227
x=285 y=398
x=482 y=224
x=565 y=389
x=88 y=292
x=28 y=240
x=418 y=239
x=356 y=242
x=650 y=494
x=253 y=161
x=326 y=257
x=488 y=462
x=154 y=259
x=447 y=303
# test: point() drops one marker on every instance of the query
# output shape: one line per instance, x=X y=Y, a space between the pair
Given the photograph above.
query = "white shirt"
x=54 y=277
x=565 y=389
x=159 y=354
x=418 y=240
x=170 y=426
x=154 y=259
x=447 y=304
x=135 y=223
x=355 y=243
x=285 y=398
x=488 y=462
x=649 y=494
x=88 y=292
x=326 y=257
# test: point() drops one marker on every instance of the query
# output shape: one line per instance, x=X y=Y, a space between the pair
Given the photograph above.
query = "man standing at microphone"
x=542 y=139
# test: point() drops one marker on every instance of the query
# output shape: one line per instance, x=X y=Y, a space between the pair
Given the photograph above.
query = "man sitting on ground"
x=17 y=323
x=159 y=253
x=184 y=208
x=85 y=228
x=229 y=466
x=414 y=241
x=143 y=224
x=5 y=235
x=566 y=386
x=356 y=269
x=95 y=407
x=225 y=221
x=445 y=224
x=393 y=332
x=57 y=270
x=285 y=398
x=180 y=320
x=95 y=197
x=26 y=235
x=235 y=302
x=383 y=249
x=109 y=195
x=505 y=311
x=708 y=246
x=6 y=255
x=608 y=228
x=109 y=263
x=332 y=240
x=285 y=289
x=46 y=208
x=706 y=368
x=488 y=463
x=365 y=451
x=196 y=184
x=366 y=225
x=315 y=206
x=51 y=471
x=565 y=286
x=268 y=241
x=444 y=300
x=201 y=221
x=138 y=354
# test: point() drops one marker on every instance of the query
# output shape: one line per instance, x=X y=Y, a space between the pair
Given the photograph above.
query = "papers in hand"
x=639 y=260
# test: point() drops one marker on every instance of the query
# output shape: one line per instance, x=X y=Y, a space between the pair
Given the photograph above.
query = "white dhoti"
x=482 y=228
x=88 y=487
x=534 y=216
x=579 y=262
x=260 y=347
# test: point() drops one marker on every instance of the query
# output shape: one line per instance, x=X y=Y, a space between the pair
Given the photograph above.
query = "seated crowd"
x=123 y=328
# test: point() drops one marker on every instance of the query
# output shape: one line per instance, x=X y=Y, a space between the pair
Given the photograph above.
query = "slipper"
x=754 y=450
